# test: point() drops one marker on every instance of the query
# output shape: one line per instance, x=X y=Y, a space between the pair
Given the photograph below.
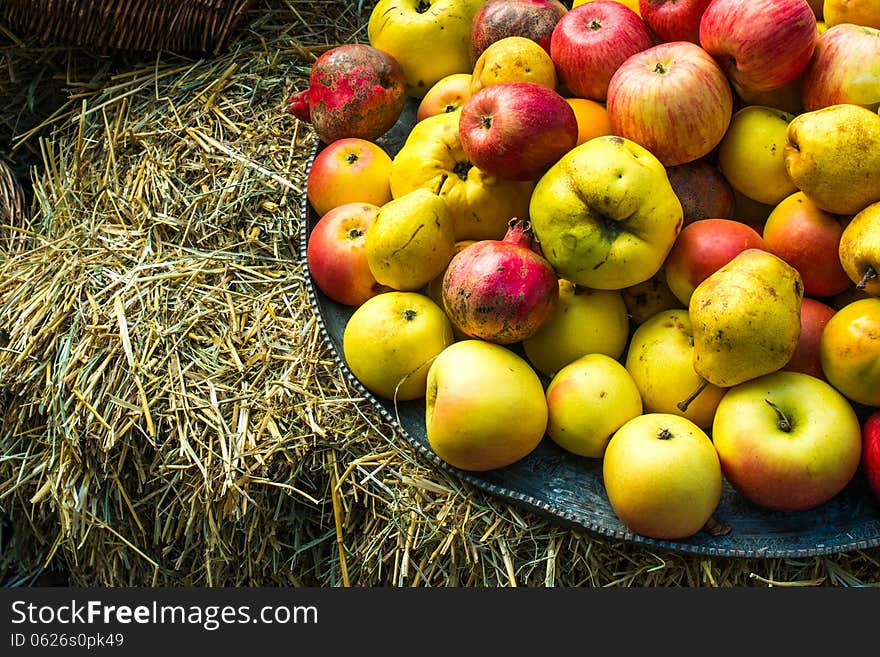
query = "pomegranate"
x=355 y=90
x=502 y=290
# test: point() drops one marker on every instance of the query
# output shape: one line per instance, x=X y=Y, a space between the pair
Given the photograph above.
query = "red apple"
x=703 y=247
x=674 y=20
x=336 y=257
x=845 y=68
x=673 y=99
x=814 y=317
x=808 y=238
x=497 y=19
x=516 y=130
x=760 y=44
x=703 y=191
x=591 y=41
x=871 y=452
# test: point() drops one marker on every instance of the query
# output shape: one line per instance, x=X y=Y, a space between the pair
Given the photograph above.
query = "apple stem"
x=683 y=405
x=870 y=275
x=783 y=422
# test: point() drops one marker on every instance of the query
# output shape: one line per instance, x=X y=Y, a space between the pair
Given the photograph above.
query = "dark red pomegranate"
x=354 y=90
x=500 y=290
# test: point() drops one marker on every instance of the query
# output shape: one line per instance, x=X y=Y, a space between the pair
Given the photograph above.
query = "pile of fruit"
x=647 y=231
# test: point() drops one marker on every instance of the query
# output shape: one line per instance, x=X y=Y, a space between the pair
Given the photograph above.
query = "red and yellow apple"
x=787 y=441
x=845 y=68
x=674 y=20
x=702 y=248
x=346 y=171
x=336 y=256
x=516 y=130
x=446 y=95
x=871 y=453
x=703 y=191
x=673 y=99
x=808 y=238
x=760 y=44
x=806 y=357
x=591 y=41
x=485 y=407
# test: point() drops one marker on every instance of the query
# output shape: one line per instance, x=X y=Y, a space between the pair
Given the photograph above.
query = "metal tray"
x=569 y=489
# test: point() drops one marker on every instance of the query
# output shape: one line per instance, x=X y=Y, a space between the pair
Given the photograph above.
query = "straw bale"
x=171 y=414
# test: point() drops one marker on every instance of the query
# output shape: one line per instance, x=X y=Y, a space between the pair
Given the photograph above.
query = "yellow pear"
x=411 y=241
x=832 y=155
x=745 y=318
x=859 y=249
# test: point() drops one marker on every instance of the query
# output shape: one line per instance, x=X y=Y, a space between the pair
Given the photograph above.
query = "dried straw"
x=172 y=415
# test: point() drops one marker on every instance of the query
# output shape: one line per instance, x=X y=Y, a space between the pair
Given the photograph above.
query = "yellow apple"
x=584 y=321
x=481 y=204
x=662 y=476
x=588 y=400
x=660 y=360
x=429 y=38
x=606 y=214
x=751 y=154
x=484 y=406
x=390 y=341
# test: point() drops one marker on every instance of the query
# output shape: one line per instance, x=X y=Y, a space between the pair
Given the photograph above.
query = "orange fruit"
x=513 y=59
x=592 y=119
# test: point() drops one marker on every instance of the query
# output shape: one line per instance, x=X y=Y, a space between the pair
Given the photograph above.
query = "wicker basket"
x=128 y=25
x=14 y=218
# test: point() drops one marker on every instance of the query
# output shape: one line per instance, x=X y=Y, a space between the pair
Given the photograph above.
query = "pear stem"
x=683 y=405
x=782 y=422
x=870 y=275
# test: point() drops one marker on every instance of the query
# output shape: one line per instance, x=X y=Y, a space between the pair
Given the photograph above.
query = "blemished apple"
x=485 y=406
x=702 y=248
x=673 y=99
x=660 y=359
x=336 y=254
x=760 y=44
x=349 y=170
x=787 y=441
x=447 y=95
x=806 y=358
x=516 y=130
x=808 y=238
x=845 y=68
x=588 y=400
x=850 y=351
x=674 y=20
x=583 y=321
x=871 y=453
x=703 y=191
x=390 y=341
x=497 y=19
x=662 y=476
x=591 y=41
x=646 y=299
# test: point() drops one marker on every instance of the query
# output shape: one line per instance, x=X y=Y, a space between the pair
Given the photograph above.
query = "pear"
x=832 y=155
x=859 y=249
x=411 y=241
x=745 y=318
